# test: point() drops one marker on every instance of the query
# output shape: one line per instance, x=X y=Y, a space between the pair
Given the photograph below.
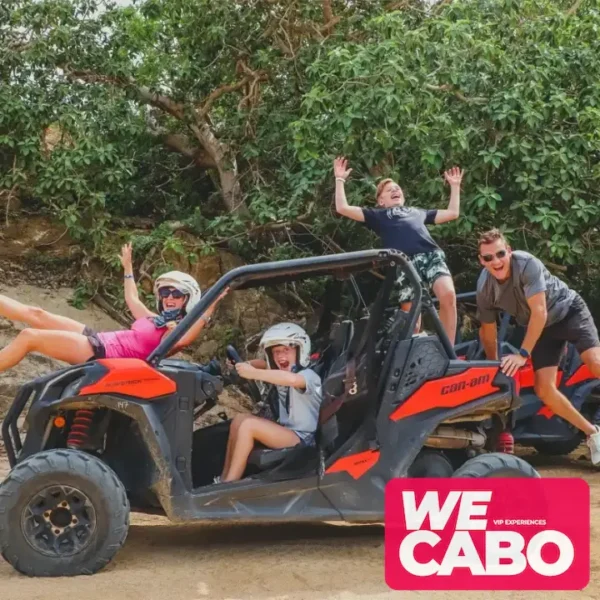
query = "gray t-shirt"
x=303 y=417
x=528 y=277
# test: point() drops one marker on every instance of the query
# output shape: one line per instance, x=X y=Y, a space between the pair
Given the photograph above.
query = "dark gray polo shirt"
x=528 y=277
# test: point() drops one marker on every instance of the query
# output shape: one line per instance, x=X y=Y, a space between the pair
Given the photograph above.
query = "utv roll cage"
x=340 y=266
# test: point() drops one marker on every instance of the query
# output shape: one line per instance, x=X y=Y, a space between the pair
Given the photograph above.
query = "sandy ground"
x=161 y=561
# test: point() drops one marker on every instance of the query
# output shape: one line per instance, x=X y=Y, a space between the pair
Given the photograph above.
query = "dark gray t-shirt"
x=528 y=277
x=403 y=228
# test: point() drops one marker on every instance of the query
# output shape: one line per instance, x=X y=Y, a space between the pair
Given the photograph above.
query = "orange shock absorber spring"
x=80 y=429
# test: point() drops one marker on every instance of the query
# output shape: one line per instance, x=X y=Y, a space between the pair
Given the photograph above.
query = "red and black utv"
x=110 y=436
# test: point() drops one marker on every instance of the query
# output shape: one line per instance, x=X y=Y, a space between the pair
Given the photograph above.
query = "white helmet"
x=286 y=334
x=180 y=281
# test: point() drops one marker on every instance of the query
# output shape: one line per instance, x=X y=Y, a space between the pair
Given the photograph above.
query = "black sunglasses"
x=490 y=257
x=166 y=292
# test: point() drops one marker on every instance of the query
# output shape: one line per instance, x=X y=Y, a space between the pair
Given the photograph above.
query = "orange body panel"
x=449 y=392
x=545 y=412
x=131 y=377
x=355 y=464
x=527 y=376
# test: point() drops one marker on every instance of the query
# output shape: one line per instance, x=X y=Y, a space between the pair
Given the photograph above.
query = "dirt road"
x=296 y=562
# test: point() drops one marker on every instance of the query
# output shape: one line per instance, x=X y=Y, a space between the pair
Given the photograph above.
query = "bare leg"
x=545 y=388
x=35 y=317
x=591 y=358
x=443 y=288
x=233 y=432
x=69 y=347
x=254 y=430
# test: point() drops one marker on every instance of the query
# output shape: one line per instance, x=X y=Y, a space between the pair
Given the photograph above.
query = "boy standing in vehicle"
x=404 y=228
x=519 y=283
x=286 y=347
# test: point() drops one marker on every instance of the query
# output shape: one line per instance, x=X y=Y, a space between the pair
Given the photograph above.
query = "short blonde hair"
x=382 y=185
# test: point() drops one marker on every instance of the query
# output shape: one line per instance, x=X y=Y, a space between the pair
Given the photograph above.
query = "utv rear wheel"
x=62 y=513
x=431 y=464
x=496 y=464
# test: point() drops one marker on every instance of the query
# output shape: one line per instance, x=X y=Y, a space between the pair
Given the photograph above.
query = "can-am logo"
x=487 y=534
x=463 y=385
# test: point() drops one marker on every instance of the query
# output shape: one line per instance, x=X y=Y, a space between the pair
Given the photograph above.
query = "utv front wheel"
x=496 y=464
x=62 y=513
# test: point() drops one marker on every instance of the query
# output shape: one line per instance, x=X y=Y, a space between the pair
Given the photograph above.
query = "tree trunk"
x=226 y=166
x=214 y=154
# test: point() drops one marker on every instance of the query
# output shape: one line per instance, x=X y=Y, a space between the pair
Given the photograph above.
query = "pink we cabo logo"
x=487 y=534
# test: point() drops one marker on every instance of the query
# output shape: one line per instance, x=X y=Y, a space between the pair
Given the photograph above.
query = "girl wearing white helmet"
x=72 y=342
x=286 y=349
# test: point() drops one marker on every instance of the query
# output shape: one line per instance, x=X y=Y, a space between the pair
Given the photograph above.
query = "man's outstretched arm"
x=454 y=178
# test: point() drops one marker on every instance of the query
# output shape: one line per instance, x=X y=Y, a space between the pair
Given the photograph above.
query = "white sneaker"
x=593 y=442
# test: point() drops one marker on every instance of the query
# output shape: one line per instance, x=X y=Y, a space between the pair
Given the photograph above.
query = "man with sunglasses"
x=552 y=313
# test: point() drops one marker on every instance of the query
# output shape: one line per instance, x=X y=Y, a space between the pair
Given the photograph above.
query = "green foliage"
x=510 y=91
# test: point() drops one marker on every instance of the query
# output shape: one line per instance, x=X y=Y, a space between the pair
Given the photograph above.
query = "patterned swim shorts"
x=429 y=266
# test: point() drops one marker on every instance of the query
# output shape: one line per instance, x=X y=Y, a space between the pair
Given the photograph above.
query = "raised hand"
x=339 y=168
x=126 y=257
x=454 y=176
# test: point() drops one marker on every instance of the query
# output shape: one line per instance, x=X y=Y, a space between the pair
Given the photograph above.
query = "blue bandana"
x=166 y=316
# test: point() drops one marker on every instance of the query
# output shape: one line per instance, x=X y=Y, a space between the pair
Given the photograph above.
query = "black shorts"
x=577 y=327
x=94 y=340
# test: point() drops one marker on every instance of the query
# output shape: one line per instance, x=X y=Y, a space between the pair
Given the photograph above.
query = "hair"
x=380 y=187
x=489 y=237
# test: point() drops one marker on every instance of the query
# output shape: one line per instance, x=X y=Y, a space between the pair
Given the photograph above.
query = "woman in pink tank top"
x=72 y=342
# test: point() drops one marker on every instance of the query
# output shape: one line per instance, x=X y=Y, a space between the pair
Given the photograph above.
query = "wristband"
x=340 y=179
x=128 y=276
x=524 y=353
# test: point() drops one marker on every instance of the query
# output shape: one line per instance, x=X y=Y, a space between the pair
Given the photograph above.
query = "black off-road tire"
x=92 y=530
x=559 y=447
x=430 y=463
x=496 y=464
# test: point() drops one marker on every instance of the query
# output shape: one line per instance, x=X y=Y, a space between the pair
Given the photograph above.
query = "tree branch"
x=107 y=307
x=216 y=152
x=270 y=227
x=181 y=144
x=574 y=8
x=327 y=11
x=448 y=88
x=145 y=94
x=251 y=78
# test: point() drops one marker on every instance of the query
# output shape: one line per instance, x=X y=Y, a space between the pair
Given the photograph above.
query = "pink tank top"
x=137 y=342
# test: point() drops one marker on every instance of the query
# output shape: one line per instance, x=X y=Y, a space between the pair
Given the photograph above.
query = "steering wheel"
x=246 y=384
